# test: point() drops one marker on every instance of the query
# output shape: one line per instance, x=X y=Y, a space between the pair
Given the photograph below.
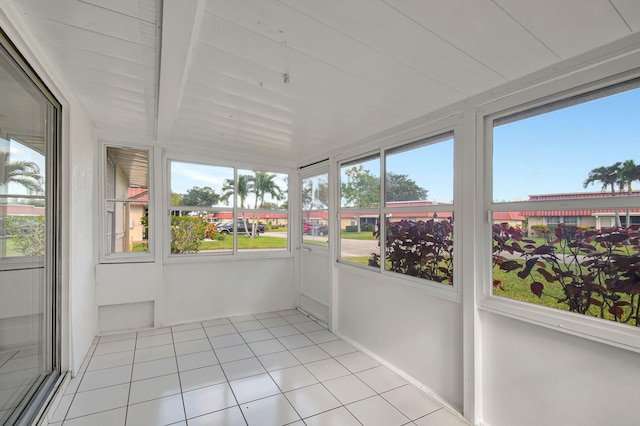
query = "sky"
x=554 y=152
x=19 y=152
x=185 y=176
x=548 y=153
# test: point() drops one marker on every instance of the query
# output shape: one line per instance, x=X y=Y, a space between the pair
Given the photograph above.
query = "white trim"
x=573 y=83
x=126 y=257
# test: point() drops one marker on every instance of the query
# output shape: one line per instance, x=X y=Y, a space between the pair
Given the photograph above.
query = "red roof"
x=508 y=216
x=574 y=196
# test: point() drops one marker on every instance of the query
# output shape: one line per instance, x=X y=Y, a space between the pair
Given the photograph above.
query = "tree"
x=229 y=189
x=399 y=187
x=315 y=197
x=197 y=196
x=608 y=176
x=24 y=173
x=362 y=189
x=176 y=199
x=263 y=184
x=628 y=173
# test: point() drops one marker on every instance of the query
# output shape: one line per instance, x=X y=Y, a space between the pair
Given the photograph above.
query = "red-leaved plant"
x=598 y=270
x=422 y=249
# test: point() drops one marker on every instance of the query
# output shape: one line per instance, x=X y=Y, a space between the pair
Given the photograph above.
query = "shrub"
x=598 y=270
x=186 y=234
x=211 y=231
x=351 y=228
x=419 y=249
x=28 y=234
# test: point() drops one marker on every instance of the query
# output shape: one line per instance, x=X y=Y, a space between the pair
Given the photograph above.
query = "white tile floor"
x=279 y=368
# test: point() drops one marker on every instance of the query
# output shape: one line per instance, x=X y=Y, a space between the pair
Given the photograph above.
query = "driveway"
x=353 y=248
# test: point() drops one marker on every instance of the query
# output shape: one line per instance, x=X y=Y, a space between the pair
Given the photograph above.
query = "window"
x=418 y=210
x=30 y=240
x=571 y=249
x=217 y=209
x=360 y=210
x=126 y=203
x=315 y=210
x=264 y=212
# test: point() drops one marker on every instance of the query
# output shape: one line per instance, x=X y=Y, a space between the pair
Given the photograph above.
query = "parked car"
x=319 y=230
x=227 y=227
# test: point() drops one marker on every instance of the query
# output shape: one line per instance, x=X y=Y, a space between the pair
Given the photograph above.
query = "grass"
x=244 y=242
x=357 y=236
x=11 y=248
x=362 y=260
x=518 y=289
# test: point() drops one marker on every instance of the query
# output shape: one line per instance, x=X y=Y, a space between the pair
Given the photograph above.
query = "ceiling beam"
x=181 y=24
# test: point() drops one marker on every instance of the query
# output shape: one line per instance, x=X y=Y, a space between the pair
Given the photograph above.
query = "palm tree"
x=608 y=176
x=628 y=173
x=263 y=184
x=24 y=173
x=229 y=188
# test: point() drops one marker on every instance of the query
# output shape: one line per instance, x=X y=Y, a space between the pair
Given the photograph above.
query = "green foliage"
x=197 y=196
x=399 y=187
x=186 y=234
x=28 y=234
x=351 y=228
x=176 y=199
x=362 y=189
x=24 y=173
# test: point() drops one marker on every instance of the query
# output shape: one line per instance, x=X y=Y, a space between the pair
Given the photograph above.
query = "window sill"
x=433 y=288
x=128 y=258
x=227 y=256
x=591 y=328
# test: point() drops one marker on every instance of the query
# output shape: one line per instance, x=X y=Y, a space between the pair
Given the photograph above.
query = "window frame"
x=540 y=98
x=106 y=257
x=235 y=209
x=315 y=171
x=451 y=125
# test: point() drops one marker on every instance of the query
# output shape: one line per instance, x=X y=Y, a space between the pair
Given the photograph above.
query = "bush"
x=211 y=231
x=186 y=234
x=28 y=234
x=597 y=270
x=419 y=249
x=351 y=228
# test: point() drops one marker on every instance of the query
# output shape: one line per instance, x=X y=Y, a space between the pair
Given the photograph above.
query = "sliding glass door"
x=29 y=343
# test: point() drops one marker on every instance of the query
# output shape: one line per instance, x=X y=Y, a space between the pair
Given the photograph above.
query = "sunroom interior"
x=161 y=117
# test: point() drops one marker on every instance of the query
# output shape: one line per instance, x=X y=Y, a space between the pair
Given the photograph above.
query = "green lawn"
x=11 y=249
x=357 y=236
x=244 y=242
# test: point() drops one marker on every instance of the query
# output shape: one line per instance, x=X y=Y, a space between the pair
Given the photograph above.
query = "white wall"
x=201 y=290
x=79 y=313
x=412 y=330
x=82 y=174
x=142 y=295
x=538 y=376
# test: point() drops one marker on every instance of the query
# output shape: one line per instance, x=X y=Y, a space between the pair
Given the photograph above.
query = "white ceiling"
x=211 y=74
